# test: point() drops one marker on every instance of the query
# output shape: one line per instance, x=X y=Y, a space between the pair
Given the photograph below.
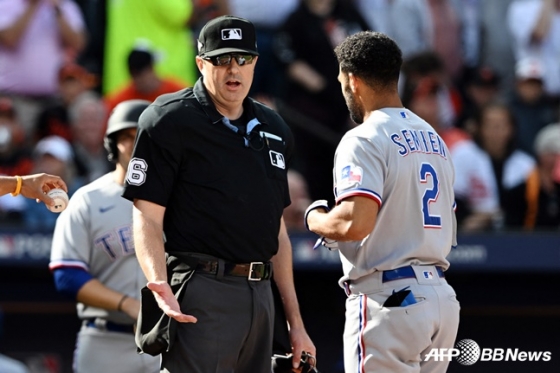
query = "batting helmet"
x=124 y=115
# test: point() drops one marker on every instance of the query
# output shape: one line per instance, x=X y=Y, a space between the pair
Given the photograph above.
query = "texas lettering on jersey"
x=117 y=242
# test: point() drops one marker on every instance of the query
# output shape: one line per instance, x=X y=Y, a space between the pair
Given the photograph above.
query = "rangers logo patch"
x=351 y=175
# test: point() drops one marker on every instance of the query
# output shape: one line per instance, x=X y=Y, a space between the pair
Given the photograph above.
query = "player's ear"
x=353 y=82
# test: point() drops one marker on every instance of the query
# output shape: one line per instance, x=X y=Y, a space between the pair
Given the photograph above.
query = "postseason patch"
x=350 y=175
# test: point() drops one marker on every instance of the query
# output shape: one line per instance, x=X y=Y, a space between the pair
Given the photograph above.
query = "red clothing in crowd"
x=130 y=92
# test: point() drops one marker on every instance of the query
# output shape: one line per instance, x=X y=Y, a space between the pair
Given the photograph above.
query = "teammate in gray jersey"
x=94 y=262
x=394 y=220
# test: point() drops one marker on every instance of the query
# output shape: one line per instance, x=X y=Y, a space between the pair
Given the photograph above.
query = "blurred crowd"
x=484 y=74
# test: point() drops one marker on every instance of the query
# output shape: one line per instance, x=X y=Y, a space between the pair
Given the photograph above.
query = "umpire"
x=208 y=182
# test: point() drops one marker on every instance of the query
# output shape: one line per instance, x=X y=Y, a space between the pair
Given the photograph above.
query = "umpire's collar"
x=249 y=107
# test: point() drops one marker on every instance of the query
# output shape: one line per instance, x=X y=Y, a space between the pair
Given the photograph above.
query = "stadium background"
x=507 y=284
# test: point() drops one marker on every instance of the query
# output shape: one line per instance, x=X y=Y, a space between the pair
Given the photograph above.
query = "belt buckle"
x=253 y=270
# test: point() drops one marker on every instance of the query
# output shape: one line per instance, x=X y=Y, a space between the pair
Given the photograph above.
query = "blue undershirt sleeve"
x=69 y=281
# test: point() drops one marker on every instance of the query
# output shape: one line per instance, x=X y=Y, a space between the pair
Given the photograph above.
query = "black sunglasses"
x=225 y=59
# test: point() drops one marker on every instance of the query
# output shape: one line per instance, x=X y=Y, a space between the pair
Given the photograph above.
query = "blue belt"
x=109 y=325
x=406 y=272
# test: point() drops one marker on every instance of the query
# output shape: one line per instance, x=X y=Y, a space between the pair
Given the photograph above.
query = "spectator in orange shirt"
x=145 y=84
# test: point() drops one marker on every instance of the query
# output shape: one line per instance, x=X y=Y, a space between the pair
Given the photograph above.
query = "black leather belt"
x=254 y=271
x=103 y=324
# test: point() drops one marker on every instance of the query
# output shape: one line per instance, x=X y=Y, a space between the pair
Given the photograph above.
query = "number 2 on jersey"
x=430 y=195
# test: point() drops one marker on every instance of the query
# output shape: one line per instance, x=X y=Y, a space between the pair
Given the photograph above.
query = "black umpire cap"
x=227 y=34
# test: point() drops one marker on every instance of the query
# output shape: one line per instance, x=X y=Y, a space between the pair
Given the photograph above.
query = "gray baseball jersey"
x=399 y=161
x=95 y=233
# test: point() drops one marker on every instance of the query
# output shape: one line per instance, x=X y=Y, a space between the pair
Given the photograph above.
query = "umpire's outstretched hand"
x=167 y=301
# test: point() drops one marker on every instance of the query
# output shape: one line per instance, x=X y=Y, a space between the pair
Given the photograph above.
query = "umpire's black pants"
x=234 y=329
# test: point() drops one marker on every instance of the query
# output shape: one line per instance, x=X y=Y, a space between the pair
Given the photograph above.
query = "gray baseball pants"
x=397 y=339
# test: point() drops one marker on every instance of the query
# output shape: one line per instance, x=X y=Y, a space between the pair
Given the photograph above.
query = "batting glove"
x=326 y=242
x=320 y=203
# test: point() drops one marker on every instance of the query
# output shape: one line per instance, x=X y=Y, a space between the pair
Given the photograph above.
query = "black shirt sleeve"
x=153 y=169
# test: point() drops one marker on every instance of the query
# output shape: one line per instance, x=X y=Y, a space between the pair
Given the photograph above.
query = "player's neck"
x=381 y=100
x=119 y=174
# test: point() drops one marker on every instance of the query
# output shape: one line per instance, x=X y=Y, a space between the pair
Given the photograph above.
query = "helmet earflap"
x=110 y=144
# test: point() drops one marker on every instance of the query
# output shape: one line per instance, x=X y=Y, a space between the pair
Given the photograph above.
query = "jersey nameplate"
x=418 y=141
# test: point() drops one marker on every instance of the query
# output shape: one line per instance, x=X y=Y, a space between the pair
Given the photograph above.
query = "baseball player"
x=93 y=259
x=393 y=222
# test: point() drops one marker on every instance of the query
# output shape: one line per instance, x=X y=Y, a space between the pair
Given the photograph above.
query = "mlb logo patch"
x=277 y=159
x=351 y=175
x=231 y=34
x=428 y=275
x=404 y=114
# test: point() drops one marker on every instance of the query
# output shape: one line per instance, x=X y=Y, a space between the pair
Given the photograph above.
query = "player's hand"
x=167 y=301
x=319 y=204
x=36 y=186
x=300 y=342
x=329 y=243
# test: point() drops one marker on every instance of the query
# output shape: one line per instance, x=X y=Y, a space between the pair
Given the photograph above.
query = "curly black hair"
x=372 y=56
